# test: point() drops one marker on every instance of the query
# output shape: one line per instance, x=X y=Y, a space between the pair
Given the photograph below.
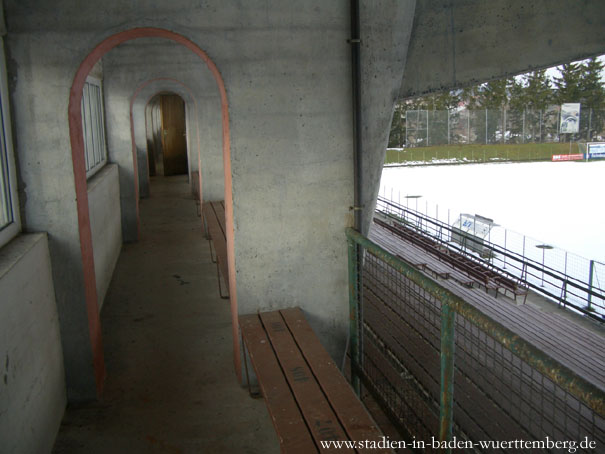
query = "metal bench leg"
x=205 y=225
x=220 y=289
x=214 y=260
x=253 y=394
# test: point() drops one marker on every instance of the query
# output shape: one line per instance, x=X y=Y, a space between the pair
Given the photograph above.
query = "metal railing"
x=438 y=365
x=563 y=277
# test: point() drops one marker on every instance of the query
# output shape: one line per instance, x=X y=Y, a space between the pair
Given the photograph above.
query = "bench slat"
x=320 y=417
x=287 y=419
x=350 y=411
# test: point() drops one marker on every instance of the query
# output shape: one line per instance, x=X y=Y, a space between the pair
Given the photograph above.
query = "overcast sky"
x=554 y=72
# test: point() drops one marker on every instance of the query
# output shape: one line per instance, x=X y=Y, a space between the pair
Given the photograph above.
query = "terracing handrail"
x=567 y=285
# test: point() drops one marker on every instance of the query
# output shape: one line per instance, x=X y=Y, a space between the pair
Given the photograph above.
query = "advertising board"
x=570 y=118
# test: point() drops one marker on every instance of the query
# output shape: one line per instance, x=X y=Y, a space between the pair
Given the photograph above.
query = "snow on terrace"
x=558 y=203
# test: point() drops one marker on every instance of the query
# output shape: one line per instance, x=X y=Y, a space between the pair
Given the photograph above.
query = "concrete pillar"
x=386 y=28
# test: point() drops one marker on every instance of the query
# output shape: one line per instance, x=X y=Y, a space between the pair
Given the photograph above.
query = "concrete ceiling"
x=465 y=42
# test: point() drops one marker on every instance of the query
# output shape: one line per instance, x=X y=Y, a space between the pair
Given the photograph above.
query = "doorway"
x=167 y=135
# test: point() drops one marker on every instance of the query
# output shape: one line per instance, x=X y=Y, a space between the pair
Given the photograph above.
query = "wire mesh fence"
x=561 y=276
x=444 y=371
x=493 y=126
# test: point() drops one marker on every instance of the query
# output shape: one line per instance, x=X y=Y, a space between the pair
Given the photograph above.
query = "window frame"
x=7 y=158
x=93 y=126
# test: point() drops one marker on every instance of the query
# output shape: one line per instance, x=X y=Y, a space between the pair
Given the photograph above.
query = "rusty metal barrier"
x=440 y=368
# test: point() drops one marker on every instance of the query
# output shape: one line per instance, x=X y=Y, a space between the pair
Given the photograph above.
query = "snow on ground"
x=558 y=203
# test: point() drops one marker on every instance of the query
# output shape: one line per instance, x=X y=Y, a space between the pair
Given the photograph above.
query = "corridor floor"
x=171 y=385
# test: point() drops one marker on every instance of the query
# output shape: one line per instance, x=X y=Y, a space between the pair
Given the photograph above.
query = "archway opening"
x=78 y=159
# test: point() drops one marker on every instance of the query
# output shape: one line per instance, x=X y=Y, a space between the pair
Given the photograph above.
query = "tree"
x=592 y=91
x=445 y=100
x=592 y=96
x=537 y=91
x=517 y=94
x=568 y=85
x=397 y=135
x=494 y=94
x=470 y=97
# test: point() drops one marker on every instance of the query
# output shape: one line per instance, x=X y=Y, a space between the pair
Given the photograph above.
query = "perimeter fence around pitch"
x=497 y=126
x=561 y=276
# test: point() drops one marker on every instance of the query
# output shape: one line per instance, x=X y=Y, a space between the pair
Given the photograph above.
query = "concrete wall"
x=385 y=34
x=41 y=66
x=291 y=149
x=213 y=176
x=32 y=381
x=105 y=220
x=119 y=150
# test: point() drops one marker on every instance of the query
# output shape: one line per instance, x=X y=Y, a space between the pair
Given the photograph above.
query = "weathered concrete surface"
x=40 y=69
x=461 y=43
x=385 y=34
x=170 y=384
x=32 y=381
x=106 y=226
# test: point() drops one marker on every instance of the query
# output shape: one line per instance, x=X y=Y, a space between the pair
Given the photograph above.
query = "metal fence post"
x=468 y=126
x=354 y=313
x=427 y=128
x=446 y=407
x=485 y=126
x=407 y=125
x=591 y=271
x=505 y=235
x=540 y=139
x=448 y=126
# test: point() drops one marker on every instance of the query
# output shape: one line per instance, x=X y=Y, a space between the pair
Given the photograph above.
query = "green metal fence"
x=425 y=128
x=443 y=370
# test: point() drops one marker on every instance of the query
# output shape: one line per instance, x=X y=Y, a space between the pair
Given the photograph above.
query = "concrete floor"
x=171 y=386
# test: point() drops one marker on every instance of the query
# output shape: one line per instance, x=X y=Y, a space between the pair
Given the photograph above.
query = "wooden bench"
x=214 y=223
x=480 y=273
x=309 y=400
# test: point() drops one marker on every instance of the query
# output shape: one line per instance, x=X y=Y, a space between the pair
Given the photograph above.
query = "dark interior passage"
x=167 y=135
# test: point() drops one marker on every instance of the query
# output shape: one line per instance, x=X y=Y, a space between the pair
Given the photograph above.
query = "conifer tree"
x=592 y=90
x=537 y=92
x=494 y=94
x=568 y=85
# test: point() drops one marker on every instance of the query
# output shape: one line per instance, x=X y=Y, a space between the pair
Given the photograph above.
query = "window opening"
x=93 y=126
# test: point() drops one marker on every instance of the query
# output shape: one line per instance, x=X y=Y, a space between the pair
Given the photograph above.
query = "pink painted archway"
x=79 y=168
